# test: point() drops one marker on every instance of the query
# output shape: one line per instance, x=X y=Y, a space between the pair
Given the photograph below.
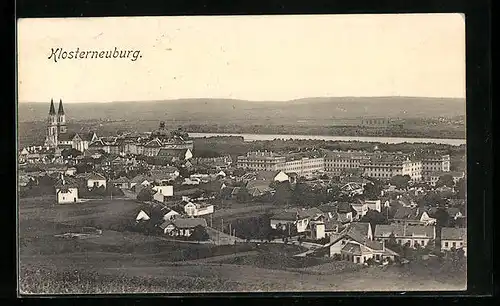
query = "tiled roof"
x=185 y=223
x=94 y=176
x=66 y=136
x=452 y=233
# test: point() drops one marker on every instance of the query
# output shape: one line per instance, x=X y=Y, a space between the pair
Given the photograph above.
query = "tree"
x=445 y=180
x=199 y=234
x=374 y=217
x=461 y=189
x=400 y=181
x=442 y=219
x=243 y=195
x=432 y=199
x=145 y=195
x=372 y=191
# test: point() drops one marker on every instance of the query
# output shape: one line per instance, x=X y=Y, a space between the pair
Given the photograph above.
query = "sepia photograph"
x=266 y=153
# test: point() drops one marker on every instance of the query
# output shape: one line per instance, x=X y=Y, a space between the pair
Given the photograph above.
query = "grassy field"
x=123 y=261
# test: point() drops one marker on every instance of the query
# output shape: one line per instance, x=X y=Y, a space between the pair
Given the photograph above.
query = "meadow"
x=121 y=261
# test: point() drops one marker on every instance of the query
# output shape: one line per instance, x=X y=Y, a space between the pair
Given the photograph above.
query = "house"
x=81 y=141
x=361 y=253
x=182 y=226
x=281 y=177
x=71 y=171
x=361 y=209
x=453 y=238
x=154 y=214
x=165 y=190
x=170 y=215
x=258 y=187
x=95 y=180
x=354 y=242
x=198 y=209
x=191 y=181
x=66 y=191
x=412 y=216
x=174 y=155
x=164 y=175
x=142 y=216
x=139 y=180
x=403 y=233
x=373 y=205
x=297 y=217
x=121 y=182
x=345 y=212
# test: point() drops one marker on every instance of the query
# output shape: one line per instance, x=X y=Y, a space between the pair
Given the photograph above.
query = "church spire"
x=52 y=110
x=60 y=111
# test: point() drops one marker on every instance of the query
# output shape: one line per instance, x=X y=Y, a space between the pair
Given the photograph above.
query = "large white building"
x=304 y=166
x=385 y=167
x=336 y=163
x=267 y=161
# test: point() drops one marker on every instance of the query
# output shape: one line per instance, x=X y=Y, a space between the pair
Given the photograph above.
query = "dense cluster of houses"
x=183 y=190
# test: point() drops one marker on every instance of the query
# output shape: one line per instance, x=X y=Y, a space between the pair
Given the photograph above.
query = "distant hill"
x=316 y=110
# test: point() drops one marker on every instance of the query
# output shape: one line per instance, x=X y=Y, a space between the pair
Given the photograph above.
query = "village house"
x=66 y=191
x=81 y=141
x=345 y=212
x=412 y=216
x=165 y=190
x=95 y=180
x=258 y=187
x=355 y=243
x=198 y=209
x=121 y=182
x=453 y=238
x=182 y=226
x=361 y=209
x=299 y=218
x=373 y=205
x=70 y=171
x=412 y=234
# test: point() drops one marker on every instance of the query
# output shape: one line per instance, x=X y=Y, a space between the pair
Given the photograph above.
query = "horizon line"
x=245 y=100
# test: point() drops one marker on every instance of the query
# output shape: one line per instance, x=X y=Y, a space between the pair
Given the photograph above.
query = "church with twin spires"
x=56 y=125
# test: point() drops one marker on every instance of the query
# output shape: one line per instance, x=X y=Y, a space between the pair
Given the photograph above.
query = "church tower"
x=61 y=119
x=52 y=127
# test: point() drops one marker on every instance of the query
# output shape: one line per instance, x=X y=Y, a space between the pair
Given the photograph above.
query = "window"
x=454 y=244
x=343 y=242
x=446 y=244
x=461 y=243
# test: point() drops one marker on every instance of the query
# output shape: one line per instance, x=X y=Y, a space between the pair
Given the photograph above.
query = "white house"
x=182 y=226
x=317 y=230
x=71 y=171
x=198 y=209
x=452 y=237
x=172 y=214
x=191 y=181
x=374 y=205
x=166 y=191
x=67 y=195
x=66 y=191
x=142 y=216
x=95 y=180
x=281 y=177
x=360 y=208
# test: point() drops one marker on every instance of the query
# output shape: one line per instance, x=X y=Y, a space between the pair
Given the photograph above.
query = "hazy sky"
x=244 y=57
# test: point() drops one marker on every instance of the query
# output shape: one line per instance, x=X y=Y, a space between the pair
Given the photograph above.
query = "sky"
x=258 y=58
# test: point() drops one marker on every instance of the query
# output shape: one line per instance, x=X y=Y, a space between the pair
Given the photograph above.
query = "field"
x=122 y=261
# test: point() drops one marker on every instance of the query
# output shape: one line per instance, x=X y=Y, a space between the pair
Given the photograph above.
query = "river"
x=389 y=140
